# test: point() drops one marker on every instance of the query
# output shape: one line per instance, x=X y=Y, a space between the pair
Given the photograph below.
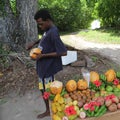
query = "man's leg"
x=47 y=112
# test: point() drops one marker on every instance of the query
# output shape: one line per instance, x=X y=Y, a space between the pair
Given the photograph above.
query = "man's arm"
x=31 y=44
x=54 y=54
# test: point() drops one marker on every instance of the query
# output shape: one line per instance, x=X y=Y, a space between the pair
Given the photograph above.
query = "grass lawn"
x=101 y=36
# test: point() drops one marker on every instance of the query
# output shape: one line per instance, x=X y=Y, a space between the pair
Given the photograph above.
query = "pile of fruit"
x=80 y=99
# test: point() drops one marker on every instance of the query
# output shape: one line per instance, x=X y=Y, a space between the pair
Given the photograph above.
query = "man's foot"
x=47 y=113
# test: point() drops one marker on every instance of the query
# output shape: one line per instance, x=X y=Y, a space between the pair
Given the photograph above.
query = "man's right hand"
x=29 y=45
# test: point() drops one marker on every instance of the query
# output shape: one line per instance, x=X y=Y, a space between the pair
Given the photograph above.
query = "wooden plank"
x=50 y=109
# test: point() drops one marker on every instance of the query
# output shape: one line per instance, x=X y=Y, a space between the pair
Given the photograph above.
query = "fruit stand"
x=107 y=116
x=93 y=99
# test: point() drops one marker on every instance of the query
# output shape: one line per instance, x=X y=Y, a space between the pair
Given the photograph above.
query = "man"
x=49 y=62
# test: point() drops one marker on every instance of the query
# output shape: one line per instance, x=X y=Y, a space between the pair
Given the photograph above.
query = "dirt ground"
x=21 y=77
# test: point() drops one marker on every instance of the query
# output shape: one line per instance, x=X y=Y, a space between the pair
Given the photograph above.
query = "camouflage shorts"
x=45 y=83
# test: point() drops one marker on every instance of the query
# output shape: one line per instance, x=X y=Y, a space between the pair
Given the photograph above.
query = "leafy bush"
x=68 y=15
x=4 y=59
x=109 y=12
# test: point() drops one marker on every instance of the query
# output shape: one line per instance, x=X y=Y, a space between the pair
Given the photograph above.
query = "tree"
x=109 y=12
x=69 y=15
x=20 y=25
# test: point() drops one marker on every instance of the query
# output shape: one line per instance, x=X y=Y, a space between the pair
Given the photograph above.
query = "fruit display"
x=71 y=85
x=94 y=76
x=77 y=100
x=110 y=75
x=56 y=87
x=82 y=84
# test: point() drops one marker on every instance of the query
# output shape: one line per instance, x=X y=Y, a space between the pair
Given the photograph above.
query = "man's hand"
x=39 y=56
x=29 y=45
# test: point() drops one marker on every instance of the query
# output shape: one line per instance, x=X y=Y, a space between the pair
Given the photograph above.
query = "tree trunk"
x=21 y=28
x=27 y=26
x=9 y=21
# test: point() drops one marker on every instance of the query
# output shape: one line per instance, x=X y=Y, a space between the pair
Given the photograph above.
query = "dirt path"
x=20 y=78
x=110 y=51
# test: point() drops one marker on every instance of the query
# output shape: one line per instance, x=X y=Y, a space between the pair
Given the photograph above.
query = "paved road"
x=110 y=51
x=27 y=107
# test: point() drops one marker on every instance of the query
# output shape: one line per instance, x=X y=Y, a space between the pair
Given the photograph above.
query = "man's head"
x=43 y=19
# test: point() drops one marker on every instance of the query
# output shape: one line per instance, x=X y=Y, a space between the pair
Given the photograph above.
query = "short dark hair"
x=44 y=14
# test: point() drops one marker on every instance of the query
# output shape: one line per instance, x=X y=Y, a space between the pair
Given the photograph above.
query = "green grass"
x=101 y=36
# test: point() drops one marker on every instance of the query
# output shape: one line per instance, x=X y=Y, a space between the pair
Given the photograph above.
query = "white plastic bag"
x=86 y=75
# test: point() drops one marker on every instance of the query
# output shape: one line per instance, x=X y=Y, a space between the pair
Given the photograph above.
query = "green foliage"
x=94 y=58
x=13 y=6
x=2 y=3
x=4 y=59
x=68 y=14
x=86 y=16
x=91 y=3
x=109 y=12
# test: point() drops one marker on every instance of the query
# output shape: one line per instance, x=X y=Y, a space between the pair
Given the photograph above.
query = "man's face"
x=43 y=25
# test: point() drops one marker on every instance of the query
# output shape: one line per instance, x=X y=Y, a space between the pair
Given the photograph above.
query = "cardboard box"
x=69 y=58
